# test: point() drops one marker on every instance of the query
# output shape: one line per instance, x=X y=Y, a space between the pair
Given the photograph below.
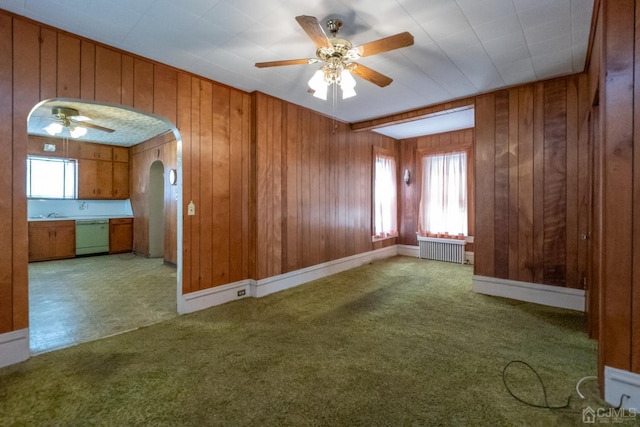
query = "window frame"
x=466 y=147
x=64 y=161
x=383 y=152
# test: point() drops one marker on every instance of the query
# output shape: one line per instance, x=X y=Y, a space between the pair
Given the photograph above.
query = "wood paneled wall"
x=411 y=152
x=161 y=148
x=617 y=43
x=313 y=188
x=531 y=199
x=214 y=122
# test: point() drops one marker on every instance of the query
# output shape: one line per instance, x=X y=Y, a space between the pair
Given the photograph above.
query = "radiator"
x=449 y=250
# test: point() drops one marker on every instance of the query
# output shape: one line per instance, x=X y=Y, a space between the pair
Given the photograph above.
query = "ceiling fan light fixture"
x=319 y=85
x=53 y=128
x=347 y=84
x=77 y=132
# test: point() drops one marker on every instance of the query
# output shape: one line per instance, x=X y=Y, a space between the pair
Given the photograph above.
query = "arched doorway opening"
x=156 y=210
x=66 y=328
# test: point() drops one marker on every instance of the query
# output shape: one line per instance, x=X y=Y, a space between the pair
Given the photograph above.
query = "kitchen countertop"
x=76 y=217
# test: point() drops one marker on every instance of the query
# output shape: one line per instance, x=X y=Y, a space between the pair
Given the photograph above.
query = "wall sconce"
x=407 y=176
x=173 y=177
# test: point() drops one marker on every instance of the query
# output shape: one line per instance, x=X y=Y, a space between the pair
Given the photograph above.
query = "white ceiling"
x=462 y=47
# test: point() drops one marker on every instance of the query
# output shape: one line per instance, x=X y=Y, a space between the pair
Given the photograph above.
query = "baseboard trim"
x=292 y=279
x=14 y=347
x=199 y=300
x=617 y=383
x=407 y=250
x=554 y=296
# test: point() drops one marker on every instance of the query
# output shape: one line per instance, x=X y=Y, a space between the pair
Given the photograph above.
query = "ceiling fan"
x=338 y=56
x=70 y=118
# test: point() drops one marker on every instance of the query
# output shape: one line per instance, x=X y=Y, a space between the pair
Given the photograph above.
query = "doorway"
x=156 y=210
x=86 y=298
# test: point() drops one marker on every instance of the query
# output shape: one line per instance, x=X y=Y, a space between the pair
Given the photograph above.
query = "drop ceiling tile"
x=227 y=17
x=498 y=28
x=173 y=14
x=517 y=71
x=481 y=12
x=533 y=17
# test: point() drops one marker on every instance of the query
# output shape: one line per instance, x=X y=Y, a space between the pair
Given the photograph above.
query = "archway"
x=156 y=210
x=134 y=126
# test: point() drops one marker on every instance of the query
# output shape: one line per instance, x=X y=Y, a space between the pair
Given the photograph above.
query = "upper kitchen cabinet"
x=95 y=179
x=95 y=151
x=120 y=177
x=103 y=171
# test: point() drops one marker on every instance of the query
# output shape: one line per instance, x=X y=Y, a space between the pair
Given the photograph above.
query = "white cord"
x=580 y=382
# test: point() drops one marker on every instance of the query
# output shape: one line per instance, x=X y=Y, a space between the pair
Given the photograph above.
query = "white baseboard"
x=199 y=300
x=408 y=250
x=619 y=383
x=14 y=347
x=292 y=279
x=554 y=296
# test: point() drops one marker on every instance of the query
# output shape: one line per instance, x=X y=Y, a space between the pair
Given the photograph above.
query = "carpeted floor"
x=392 y=343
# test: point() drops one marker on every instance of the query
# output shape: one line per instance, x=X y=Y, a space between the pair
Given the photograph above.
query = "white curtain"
x=443 y=203
x=385 y=207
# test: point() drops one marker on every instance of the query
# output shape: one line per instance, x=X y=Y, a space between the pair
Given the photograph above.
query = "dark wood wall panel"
x=313 y=188
x=7 y=201
x=555 y=182
x=68 y=63
x=529 y=183
x=617 y=104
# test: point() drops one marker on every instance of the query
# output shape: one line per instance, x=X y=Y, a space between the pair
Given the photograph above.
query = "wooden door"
x=104 y=182
x=63 y=243
x=87 y=178
x=120 y=235
x=120 y=180
x=39 y=241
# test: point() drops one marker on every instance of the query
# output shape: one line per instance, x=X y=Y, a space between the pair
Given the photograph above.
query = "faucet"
x=52 y=215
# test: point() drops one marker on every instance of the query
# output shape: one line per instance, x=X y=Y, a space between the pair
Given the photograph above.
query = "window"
x=51 y=178
x=443 y=203
x=385 y=203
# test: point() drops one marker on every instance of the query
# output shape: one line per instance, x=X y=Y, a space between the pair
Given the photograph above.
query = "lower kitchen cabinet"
x=120 y=235
x=52 y=240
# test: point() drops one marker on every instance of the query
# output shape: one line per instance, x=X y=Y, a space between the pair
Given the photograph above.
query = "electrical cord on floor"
x=544 y=389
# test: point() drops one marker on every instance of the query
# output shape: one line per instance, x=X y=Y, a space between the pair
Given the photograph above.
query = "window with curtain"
x=443 y=202
x=385 y=202
x=51 y=178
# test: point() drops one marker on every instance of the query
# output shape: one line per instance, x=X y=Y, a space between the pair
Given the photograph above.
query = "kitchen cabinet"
x=120 y=235
x=95 y=179
x=93 y=151
x=120 y=180
x=120 y=154
x=52 y=240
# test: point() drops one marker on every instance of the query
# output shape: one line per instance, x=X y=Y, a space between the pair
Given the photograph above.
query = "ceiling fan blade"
x=369 y=74
x=92 y=126
x=386 y=44
x=285 y=62
x=314 y=30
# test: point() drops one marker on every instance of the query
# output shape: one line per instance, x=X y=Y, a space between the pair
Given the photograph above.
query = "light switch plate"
x=191 y=209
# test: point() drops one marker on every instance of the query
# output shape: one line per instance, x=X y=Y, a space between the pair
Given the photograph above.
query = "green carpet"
x=393 y=343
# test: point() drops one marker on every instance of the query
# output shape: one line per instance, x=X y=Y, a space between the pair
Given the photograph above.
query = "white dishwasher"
x=92 y=236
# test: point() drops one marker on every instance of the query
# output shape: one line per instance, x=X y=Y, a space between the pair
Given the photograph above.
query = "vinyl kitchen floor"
x=84 y=299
